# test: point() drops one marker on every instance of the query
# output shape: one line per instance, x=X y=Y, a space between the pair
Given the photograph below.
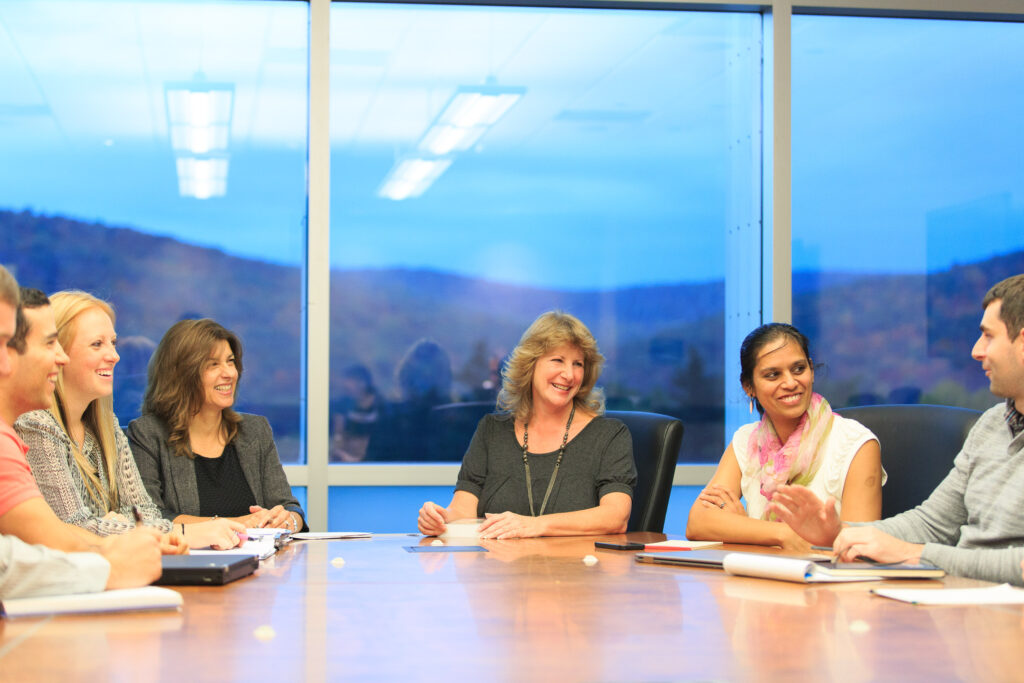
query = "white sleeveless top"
x=842 y=443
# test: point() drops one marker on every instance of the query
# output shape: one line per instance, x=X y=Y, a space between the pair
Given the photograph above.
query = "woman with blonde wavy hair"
x=549 y=463
x=78 y=453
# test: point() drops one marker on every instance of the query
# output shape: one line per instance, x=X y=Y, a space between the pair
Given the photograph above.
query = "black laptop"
x=205 y=570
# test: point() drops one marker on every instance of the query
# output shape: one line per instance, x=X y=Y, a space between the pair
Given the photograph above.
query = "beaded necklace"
x=526 y=464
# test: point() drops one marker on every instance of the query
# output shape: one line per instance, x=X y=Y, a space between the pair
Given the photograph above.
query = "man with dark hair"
x=973 y=523
x=27 y=376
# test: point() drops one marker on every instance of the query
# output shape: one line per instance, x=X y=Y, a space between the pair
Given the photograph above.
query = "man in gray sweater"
x=973 y=523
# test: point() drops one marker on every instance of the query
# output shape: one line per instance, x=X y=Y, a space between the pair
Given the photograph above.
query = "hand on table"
x=134 y=558
x=805 y=514
x=509 y=525
x=722 y=498
x=218 y=533
x=432 y=519
x=173 y=543
x=274 y=518
x=866 y=541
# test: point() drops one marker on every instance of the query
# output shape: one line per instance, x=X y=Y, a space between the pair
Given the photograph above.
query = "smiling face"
x=92 y=355
x=557 y=376
x=1001 y=357
x=783 y=382
x=219 y=377
x=34 y=372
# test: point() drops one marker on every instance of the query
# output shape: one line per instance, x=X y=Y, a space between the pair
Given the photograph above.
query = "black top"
x=223 y=490
x=598 y=461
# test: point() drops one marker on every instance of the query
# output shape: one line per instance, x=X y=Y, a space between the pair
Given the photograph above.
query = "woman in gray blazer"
x=198 y=458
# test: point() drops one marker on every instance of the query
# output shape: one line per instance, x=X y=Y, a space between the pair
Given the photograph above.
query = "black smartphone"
x=618 y=546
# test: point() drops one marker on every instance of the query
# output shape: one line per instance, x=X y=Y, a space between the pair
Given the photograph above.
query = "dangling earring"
x=751 y=405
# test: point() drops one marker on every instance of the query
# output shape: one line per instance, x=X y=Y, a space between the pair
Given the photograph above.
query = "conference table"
x=525 y=610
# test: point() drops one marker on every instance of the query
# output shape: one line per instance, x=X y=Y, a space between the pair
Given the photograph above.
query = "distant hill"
x=663 y=342
x=882 y=335
x=375 y=314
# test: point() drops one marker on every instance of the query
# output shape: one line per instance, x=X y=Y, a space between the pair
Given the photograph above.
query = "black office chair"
x=453 y=424
x=656 y=440
x=919 y=443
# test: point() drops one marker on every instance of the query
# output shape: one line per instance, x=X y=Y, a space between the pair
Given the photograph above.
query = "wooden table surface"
x=527 y=610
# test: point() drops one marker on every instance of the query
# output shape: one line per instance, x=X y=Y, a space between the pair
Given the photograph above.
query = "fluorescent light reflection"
x=199 y=116
x=411 y=177
x=199 y=121
x=202 y=178
x=440 y=140
x=468 y=109
x=466 y=118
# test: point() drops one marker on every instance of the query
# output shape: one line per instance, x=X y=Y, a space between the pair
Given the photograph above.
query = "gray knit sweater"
x=973 y=523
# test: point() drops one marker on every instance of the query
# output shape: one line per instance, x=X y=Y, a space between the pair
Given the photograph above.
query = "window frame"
x=766 y=295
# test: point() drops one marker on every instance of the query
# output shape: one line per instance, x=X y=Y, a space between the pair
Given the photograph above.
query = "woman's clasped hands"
x=505 y=525
x=276 y=517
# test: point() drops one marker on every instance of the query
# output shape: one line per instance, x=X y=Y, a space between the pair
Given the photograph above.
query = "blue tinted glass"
x=489 y=164
x=908 y=199
x=154 y=154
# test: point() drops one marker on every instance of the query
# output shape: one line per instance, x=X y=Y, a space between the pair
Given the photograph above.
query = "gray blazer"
x=171 y=479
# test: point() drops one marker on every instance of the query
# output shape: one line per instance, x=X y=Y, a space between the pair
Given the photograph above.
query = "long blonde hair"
x=99 y=415
x=550 y=331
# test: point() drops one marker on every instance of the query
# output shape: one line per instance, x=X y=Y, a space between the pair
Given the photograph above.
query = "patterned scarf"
x=796 y=461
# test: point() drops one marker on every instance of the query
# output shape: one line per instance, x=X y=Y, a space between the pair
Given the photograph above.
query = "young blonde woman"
x=78 y=453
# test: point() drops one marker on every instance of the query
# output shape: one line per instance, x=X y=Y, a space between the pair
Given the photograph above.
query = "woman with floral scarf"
x=798 y=441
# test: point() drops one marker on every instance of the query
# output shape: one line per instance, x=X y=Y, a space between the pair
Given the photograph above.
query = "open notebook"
x=800 y=570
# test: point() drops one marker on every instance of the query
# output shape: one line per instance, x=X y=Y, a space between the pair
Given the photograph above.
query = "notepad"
x=662 y=546
x=126 y=599
x=808 y=571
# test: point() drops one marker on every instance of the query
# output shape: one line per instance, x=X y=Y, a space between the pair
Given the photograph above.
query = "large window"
x=154 y=154
x=908 y=199
x=489 y=164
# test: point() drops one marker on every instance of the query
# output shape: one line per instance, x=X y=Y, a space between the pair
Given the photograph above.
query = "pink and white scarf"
x=797 y=460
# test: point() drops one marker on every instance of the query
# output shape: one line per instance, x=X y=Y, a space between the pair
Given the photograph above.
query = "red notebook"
x=680 y=544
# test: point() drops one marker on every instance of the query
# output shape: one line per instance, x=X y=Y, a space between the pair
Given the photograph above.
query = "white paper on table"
x=462 y=528
x=329 y=535
x=1004 y=594
x=125 y=599
x=260 y=546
